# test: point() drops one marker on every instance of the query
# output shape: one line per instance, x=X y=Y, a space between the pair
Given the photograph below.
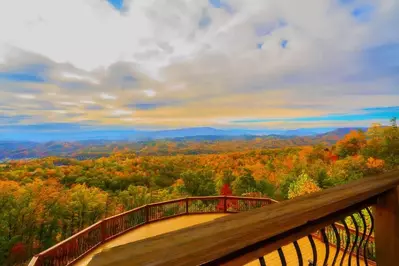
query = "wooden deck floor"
x=169 y=225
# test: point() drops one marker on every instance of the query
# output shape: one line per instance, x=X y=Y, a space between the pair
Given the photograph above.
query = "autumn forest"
x=46 y=200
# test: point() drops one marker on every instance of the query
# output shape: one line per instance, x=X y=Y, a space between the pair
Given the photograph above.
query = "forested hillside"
x=43 y=201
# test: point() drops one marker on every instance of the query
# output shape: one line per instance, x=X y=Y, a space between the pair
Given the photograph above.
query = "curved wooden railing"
x=360 y=220
x=77 y=246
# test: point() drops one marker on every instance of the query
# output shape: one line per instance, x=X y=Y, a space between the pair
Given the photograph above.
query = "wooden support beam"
x=386 y=215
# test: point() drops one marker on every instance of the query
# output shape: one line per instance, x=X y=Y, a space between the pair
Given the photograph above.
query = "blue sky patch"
x=382 y=113
x=284 y=43
x=363 y=13
x=118 y=4
x=129 y=78
x=29 y=73
x=205 y=20
x=5 y=119
x=221 y=4
x=146 y=106
x=346 y=2
x=215 y=3
x=267 y=28
x=23 y=77
x=94 y=107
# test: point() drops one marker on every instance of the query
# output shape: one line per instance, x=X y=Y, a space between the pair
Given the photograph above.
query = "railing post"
x=103 y=227
x=147 y=214
x=225 y=203
x=186 y=205
x=386 y=215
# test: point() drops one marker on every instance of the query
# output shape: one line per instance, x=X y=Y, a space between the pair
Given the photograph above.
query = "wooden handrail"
x=243 y=237
x=124 y=213
x=71 y=238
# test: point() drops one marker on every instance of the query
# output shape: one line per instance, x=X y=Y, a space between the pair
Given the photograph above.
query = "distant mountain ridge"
x=137 y=135
x=29 y=149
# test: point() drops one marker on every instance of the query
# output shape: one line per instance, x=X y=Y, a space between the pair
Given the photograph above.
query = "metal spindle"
x=282 y=257
x=262 y=261
x=368 y=237
x=355 y=241
x=326 y=246
x=298 y=253
x=338 y=244
x=314 y=250
x=347 y=241
x=362 y=239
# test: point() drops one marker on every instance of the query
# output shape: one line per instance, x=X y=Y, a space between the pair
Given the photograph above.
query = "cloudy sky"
x=151 y=64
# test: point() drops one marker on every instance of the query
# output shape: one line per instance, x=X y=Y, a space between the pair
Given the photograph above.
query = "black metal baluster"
x=365 y=251
x=298 y=253
x=326 y=246
x=338 y=244
x=314 y=250
x=282 y=257
x=354 y=242
x=363 y=237
x=347 y=241
x=262 y=261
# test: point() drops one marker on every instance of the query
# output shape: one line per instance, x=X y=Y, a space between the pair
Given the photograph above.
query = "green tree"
x=134 y=196
x=228 y=177
x=244 y=183
x=86 y=205
x=266 y=188
x=285 y=185
x=302 y=186
x=199 y=183
x=348 y=169
x=390 y=149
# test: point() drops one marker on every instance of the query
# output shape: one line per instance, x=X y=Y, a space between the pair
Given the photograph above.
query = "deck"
x=176 y=223
x=153 y=229
x=199 y=230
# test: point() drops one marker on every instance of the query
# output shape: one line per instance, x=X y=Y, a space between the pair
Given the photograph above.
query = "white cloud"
x=107 y=96
x=68 y=103
x=150 y=93
x=60 y=111
x=72 y=76
x=158 y=34
x=156 y=56
x=129 y=119
x=87 y=102
x=177 y=87
x=26 y=96
x=120 y=112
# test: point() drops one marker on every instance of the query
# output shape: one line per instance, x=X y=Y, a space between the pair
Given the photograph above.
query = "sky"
x=156 y=64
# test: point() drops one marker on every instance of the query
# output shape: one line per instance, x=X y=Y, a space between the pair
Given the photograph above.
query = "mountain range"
x=137 y=140
x=81 y=134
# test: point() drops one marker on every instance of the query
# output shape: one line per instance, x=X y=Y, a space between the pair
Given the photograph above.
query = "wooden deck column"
x=386 y=215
